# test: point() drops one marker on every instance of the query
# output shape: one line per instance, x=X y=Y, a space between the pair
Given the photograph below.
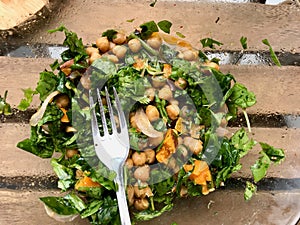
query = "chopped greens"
x=243 y=41
x=176 y=102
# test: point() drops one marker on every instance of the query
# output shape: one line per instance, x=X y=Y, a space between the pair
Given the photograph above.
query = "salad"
x=177 y=103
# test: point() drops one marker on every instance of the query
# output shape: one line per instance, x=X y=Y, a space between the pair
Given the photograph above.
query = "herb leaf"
x=209 y=42
x=165 y=25
x=243 y=41
x=249 y=190
x=272 y=53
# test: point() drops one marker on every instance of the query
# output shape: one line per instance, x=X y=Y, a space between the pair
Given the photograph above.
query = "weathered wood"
x=220 y=207
x=196 y=20
x=277 y=89
x=16 y=162
x=15 y=12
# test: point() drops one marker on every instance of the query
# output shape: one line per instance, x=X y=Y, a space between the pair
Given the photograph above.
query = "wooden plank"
x=16 y=162
x=15 y=12
x=220 y=207
x=277 y=89
x=196 y=20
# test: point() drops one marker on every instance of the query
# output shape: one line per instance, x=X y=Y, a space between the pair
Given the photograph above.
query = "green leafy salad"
x=177 y=103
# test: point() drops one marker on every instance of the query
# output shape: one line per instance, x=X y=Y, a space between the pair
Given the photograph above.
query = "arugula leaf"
x=165 y=25
x=26 y=101
x=273 y=55
x=243 y=41
x=276 y=155
x=209 y=42
x=250 y=189
x=147 y=29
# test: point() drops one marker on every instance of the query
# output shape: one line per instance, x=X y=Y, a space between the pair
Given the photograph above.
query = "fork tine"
x=120 y=111
x=110 y=110
x=95 y=129
x=105 y=129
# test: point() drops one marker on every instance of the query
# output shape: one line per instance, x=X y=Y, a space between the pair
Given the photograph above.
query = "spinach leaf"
x=241 y=141
x=165 y=25
x=149 y=214
x=59 y=205
x=46 y=84
x=269 y=154
x=147 y=29
x=64 y=174
x=110 y=34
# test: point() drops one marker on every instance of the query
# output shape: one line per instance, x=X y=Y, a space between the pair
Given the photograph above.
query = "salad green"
x=185 y=97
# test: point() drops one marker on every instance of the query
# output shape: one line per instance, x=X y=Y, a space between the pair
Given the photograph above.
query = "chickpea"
x=173 y=101
x=112 y=58
x=111 y=45
x=165 y=93
x=183 y=191
x=173 y=111
x=62 y=101
x=152 y=113
x=150 y=93
x=93 y=57
x=71 y=152
x=142 y=190
x=212 y=65
x=172 y=163
x=86 y=81
x=182 y=150
x=119 y=38
x=134 y=45
x=119 y=51
x=150 y=155
x=90 y=50
x=193 y=144
x=142 y=173
x=154 y=142
x=223 y=122
x=179 y=140
x=158 y=81
x=195 y=131
x=189 y=55
x=181 y=83
x=154 y=42
x=133 y=121
x=130 y=195
x=103 y=44
x=129 y=163
x=221 y=132
x=141 y=204
x=139 y=158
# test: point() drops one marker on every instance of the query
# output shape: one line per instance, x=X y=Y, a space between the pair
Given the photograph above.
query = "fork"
x=112 y=149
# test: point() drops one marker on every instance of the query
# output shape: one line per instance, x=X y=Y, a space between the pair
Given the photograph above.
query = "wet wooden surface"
x=277 y=91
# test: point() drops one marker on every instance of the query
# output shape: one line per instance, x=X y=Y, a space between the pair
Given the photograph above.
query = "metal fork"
x=112 y=149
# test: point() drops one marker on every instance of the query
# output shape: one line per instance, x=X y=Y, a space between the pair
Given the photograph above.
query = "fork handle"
x=122 y=201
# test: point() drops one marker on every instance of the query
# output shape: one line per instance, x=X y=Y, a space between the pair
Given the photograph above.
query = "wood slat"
x=277 y=89
x=16 y=162
x=195 y=19
x=220 y=207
